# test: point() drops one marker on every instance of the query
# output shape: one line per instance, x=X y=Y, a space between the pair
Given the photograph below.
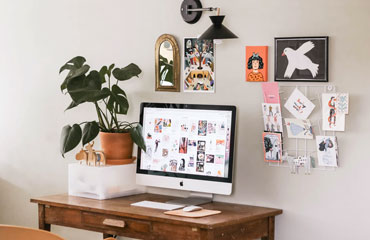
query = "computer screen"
x=187 y=141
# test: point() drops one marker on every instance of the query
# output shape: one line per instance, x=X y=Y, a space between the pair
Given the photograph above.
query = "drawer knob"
x=114 y=223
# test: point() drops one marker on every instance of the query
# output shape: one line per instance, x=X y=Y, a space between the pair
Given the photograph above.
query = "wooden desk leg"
x=271 y=230
x=42 y=224
x=107 y=235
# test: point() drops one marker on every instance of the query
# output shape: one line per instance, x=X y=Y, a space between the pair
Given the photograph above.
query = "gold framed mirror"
x=167 y=64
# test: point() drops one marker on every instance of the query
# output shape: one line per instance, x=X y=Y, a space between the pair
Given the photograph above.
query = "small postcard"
x=299 y=105
x=272 y=117
x=298 y=128
x=327 y=151
x=343 y=102
x=270 y=92
x=272 y=147
x=332 y=119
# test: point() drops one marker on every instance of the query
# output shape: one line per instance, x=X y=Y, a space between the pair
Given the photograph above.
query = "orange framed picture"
x=256 y=63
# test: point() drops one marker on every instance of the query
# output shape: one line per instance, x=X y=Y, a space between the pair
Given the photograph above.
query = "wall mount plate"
x=190 y=17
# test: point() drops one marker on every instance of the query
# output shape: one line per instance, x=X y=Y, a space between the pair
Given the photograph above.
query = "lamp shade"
x=217 y=30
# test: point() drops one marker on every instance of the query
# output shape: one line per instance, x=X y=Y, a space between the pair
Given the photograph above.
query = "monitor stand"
x=195 y=198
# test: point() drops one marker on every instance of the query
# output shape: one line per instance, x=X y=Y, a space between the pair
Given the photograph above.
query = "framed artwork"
x=199 y=65
x=272 y=147
x=301 y=59
x=256 y=63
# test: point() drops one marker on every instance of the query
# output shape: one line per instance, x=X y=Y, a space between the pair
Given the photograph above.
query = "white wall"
x=38 y=36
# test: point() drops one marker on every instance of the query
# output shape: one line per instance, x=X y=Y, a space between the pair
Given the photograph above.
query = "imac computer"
x=188 y=147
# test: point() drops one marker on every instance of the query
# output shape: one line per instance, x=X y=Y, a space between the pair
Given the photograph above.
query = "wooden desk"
x=117 y=217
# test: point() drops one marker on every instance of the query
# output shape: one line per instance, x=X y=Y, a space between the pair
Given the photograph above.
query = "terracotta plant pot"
x=117 y=148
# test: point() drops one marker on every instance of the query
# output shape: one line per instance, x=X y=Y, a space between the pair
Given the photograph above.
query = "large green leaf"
x=137 y=136
x=117 y=90
x=74 y=63
x=82 y=89
x=86 y=95
x=74 y=73
x=127 y=72
x=89 y=132
x=97 y=95
x=93 y=81
x=118 y=101
x=70 y=138
x=103 y=71
x=118 y=104
x=74 y=86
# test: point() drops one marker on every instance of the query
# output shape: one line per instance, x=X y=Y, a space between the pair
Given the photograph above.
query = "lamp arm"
x=203 y=9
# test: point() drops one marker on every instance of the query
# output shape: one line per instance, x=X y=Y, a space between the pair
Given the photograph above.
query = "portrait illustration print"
x=198 y=75
x=301 y=59
x=256 y=63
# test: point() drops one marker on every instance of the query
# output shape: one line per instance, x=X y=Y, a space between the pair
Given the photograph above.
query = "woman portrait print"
x=255 y=62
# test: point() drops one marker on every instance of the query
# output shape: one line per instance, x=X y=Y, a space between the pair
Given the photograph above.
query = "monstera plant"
x=102 y=92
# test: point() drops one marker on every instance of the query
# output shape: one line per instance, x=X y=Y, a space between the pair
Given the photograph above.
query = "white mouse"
x=192 y=208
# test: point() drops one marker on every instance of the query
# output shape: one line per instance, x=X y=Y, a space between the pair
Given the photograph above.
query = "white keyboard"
x=157 y=205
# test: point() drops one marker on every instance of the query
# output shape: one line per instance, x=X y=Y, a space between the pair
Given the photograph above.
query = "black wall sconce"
x=191 y=12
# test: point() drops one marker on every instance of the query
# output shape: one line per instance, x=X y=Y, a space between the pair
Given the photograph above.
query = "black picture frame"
x=312 y=66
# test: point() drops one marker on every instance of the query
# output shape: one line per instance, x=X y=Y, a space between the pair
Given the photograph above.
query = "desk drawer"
x=254 y=230
x=115 y=224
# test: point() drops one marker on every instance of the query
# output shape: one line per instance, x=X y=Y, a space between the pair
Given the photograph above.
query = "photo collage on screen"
x=195 y=144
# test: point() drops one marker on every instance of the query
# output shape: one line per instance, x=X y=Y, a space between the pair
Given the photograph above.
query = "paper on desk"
x=196 y=214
